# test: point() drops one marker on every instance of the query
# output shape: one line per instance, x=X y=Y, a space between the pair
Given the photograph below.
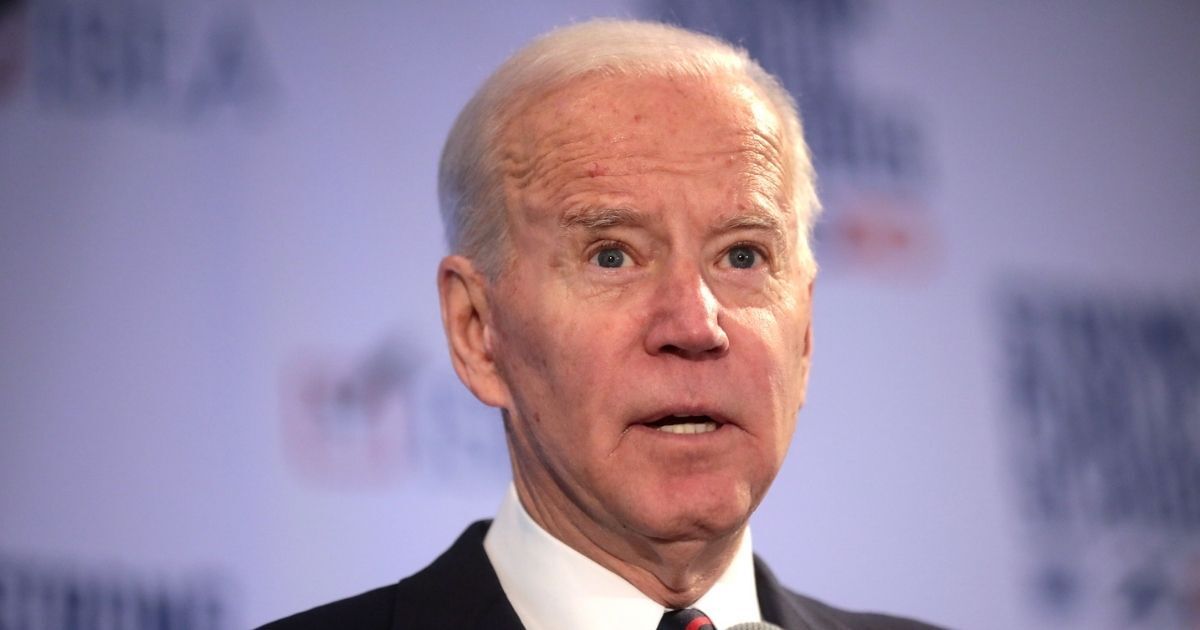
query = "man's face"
x=652 y=330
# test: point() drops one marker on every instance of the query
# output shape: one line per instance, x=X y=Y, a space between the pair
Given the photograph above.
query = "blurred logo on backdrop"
x=1104 y=397
x=43 y=595
x=146 y=59
x=384 y=416
x=869 y=151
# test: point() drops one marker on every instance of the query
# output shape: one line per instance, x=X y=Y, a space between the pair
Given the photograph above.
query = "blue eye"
x=742 y=257
x=610 y=258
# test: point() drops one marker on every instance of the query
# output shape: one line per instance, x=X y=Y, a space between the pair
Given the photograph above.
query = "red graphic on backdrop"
x=346 y=419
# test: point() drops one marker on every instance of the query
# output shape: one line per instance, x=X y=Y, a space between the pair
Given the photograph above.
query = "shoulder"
x=850 y=620
x=790 y=609
x=459 y=589
x=372 y=609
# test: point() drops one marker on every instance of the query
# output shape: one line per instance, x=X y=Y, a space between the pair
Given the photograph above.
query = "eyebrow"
x=600 y=218
x=756 y=220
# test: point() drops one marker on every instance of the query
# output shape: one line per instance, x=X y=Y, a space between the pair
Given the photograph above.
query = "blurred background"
x=225 y=395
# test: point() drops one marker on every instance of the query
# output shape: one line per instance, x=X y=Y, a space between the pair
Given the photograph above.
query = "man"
x=629 y=208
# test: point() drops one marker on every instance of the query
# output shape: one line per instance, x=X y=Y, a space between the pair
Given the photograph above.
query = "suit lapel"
x=458 y=590
x=779 y=605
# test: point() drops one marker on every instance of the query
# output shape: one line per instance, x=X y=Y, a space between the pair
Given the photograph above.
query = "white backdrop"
x=224 y=377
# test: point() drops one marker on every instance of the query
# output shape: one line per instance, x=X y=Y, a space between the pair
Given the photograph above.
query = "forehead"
x=598 y=132
x=610 y=100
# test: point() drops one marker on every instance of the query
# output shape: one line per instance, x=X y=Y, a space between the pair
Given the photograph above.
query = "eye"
x=610 y=258
x=742 y=257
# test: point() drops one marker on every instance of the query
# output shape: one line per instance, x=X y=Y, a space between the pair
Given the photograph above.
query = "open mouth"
x=683 y=424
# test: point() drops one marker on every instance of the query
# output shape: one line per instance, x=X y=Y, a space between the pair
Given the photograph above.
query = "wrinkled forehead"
x=612 y=109
x=616 y=126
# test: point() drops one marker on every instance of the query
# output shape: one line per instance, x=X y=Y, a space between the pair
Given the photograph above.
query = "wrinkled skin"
x=655 y=269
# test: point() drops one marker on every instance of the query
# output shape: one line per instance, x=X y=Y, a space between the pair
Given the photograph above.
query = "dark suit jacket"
x=460 y=590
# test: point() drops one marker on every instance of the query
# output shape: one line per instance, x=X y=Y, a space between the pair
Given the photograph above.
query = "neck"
x=674 y=573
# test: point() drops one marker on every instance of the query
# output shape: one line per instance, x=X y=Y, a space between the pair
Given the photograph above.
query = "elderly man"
x=629 y=208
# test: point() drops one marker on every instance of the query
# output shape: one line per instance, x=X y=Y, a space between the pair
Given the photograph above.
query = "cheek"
x=769 y=338
x=526 y=351
x=545 y=352
x=773 y=341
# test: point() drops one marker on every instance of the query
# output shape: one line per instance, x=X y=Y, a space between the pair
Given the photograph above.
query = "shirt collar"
x=550 y=585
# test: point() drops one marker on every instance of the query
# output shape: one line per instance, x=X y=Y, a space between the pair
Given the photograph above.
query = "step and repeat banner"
x=225 y=395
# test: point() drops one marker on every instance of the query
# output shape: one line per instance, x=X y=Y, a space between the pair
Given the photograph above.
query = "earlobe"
x=466 y=317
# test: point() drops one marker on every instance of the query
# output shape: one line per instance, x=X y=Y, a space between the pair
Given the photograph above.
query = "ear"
x=806 y=357
x=466 y=317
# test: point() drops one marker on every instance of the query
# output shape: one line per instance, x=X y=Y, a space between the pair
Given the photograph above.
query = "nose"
x=684 y=319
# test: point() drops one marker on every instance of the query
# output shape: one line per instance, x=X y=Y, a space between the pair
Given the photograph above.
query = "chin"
x=692 y=511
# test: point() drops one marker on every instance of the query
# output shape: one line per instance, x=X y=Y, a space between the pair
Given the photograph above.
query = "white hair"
x=470 y=184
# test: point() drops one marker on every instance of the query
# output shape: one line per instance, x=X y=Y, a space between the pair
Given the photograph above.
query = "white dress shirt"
x=551 y=586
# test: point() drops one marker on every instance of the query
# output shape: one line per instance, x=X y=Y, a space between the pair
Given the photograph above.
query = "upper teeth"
x=689 y=427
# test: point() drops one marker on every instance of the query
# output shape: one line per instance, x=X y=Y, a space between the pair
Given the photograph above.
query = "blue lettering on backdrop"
x=869 y=152
x=12 y=46
x=1105 y=401
x=807 y=45
x=148 y=58
x=37 y=595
